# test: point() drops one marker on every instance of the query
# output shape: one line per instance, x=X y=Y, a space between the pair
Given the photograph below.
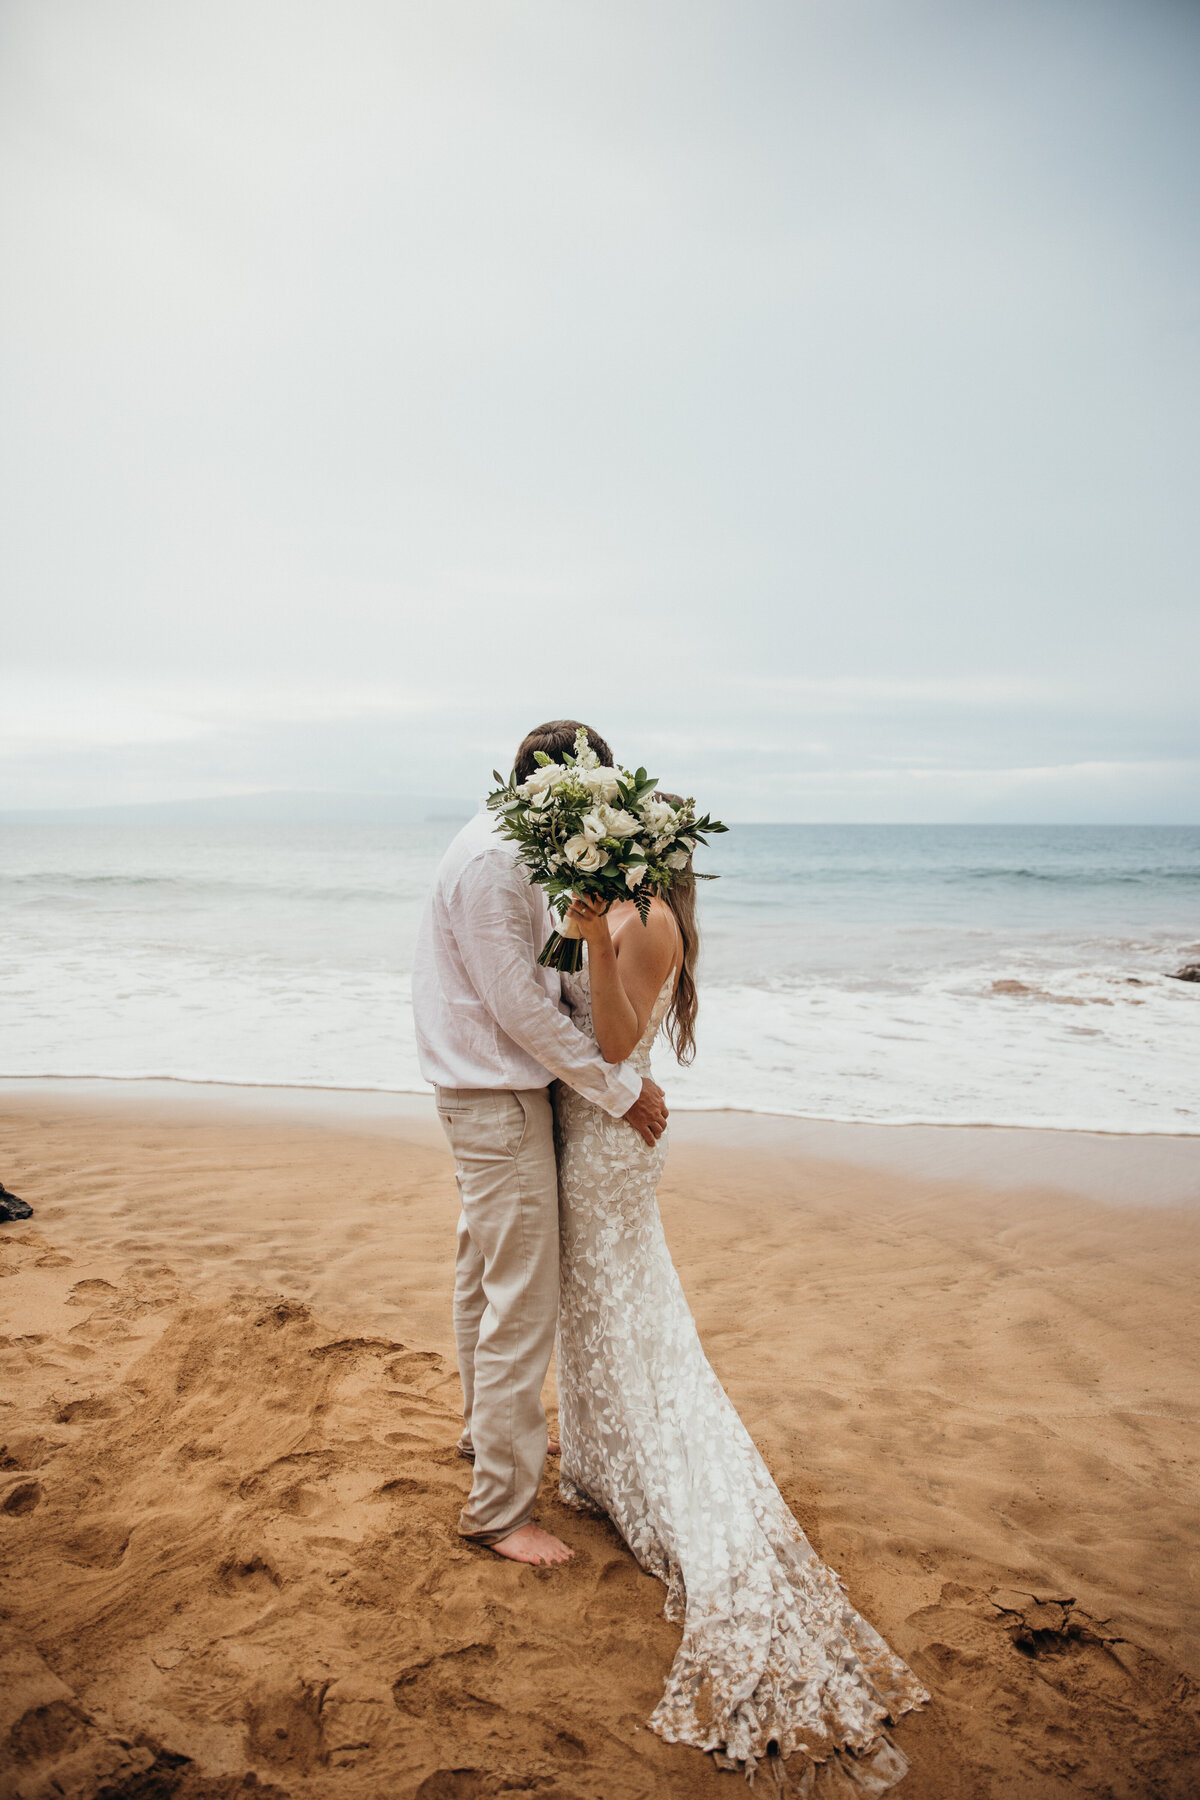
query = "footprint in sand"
x=91 y=1407
x=100 y=1544
x=253 y=1576
x=284 y=1727
x=25 y=1454
x=86 y=1293
x=23 y=1498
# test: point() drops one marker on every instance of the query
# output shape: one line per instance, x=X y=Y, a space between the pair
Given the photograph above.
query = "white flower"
x=659 y=845
x=548 y=776
x=584 y=854
x=659 y=817
x=602 y=821
x=689 y=844
x=585 y=756
x=635 y=876
x=602 y=782
x=678 y=859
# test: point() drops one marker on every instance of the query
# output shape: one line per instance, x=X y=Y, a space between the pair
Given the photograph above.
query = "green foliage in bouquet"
x=583 y=828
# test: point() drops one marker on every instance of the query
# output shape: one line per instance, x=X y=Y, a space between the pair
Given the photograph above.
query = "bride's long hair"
x=681 y=1015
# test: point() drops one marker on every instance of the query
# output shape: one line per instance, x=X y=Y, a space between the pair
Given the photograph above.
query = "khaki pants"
x=505 y=1293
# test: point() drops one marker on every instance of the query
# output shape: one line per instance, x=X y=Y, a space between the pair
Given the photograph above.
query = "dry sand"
x=228 y=1491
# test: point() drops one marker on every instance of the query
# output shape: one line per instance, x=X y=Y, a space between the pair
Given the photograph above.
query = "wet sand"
x=228 y=1490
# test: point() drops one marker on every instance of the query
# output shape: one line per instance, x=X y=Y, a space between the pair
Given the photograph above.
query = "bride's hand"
x=589 y=918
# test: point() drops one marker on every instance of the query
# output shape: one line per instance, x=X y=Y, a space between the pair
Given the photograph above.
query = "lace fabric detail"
x=772 y=1650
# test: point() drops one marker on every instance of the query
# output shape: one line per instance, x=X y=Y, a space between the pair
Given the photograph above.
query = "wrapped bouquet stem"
x=563 y=949
x=602 y=833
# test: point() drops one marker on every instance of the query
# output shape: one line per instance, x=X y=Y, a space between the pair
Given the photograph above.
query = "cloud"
x=68 y=713
x=854 y=693
x=383 y=382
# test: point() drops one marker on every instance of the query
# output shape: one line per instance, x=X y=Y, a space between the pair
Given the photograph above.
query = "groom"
x=492 y=1033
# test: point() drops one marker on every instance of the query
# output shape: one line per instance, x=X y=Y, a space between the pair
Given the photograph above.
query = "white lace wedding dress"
x=774 y=1659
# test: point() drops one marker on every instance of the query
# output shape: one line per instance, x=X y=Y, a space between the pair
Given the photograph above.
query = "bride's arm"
x=624 y=985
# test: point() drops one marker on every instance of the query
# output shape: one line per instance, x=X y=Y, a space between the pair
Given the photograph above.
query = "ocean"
x=1005 y=975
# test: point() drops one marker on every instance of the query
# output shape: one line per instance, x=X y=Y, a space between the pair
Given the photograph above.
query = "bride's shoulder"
x=657 y=940
x=662 y=917
x=659 y=916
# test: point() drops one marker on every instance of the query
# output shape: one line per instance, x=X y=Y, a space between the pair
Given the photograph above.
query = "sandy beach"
x=228 y=1490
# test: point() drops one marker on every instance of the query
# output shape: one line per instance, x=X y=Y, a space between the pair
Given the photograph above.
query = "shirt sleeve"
x=494 y=933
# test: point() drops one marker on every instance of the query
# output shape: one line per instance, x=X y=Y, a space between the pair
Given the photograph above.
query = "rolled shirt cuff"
x=625 y=1084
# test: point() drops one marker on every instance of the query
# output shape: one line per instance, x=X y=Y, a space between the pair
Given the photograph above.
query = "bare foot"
x=530 y=1544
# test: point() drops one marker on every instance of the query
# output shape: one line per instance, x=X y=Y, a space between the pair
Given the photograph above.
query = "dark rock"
x=1189 y=972
x=11 y=1208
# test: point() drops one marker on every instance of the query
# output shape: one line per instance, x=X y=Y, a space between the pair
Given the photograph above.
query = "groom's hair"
x=553 y=738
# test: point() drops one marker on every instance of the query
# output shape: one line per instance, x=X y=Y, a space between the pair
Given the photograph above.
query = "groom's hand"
x=648 y=1114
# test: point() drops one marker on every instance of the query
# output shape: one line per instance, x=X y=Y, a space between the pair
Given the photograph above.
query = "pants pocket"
x=513 y=1121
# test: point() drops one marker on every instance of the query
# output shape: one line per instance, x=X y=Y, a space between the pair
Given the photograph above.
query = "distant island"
x=261 y=808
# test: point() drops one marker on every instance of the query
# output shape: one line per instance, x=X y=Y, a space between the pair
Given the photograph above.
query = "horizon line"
x=456 y=807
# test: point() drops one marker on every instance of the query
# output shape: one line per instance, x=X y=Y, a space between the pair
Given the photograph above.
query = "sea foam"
x=1003 y=975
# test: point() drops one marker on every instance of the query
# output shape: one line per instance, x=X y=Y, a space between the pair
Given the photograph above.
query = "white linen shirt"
x=487 y=1015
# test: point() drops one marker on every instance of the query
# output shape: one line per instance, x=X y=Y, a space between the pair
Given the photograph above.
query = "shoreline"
x=1142 y=1169
x=679 y=1106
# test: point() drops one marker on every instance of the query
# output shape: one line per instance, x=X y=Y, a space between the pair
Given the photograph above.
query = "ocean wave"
x=895 y=987
x=931 y=875
x=43 y=884
x=1079 y=877
x=1072 y=1052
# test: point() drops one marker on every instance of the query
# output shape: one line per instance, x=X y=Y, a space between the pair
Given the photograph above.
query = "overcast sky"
x=804 y=393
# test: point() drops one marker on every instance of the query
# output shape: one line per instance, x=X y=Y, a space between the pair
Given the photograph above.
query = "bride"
x=774 y=1659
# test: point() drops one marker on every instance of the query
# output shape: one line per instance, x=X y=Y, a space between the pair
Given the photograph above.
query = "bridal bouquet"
x=597 y=832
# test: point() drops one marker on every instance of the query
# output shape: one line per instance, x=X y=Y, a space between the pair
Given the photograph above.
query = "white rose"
x=634 y=877
x=620 y=823
x=584 y=854
x=678 y=859
x=604 y=783
x=594 y=825
x=659 y=817
x=548 y=776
